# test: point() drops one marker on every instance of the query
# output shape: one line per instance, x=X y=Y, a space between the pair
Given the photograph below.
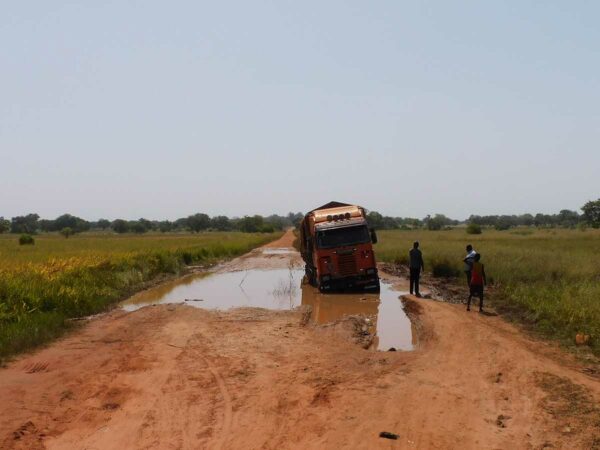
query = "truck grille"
x=347 y=265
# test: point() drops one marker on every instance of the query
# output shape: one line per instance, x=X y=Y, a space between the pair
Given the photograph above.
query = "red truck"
x=337 y=247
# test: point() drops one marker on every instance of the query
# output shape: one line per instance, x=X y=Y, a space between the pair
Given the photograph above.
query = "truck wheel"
x=375 y=287
x=310 y=276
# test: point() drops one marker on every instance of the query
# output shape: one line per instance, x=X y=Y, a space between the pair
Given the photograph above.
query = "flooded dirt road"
x=183 y=375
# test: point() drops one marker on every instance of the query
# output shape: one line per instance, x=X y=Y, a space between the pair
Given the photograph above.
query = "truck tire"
x=311 y=276
x=324 y=288
x=374 y=287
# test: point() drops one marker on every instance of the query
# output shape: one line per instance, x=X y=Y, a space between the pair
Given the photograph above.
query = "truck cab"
x=337 y=248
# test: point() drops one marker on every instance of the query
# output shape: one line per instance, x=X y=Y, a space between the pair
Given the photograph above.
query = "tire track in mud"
x=227 y=417
x=224 y=423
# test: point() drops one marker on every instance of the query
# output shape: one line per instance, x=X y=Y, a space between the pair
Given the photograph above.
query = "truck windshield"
x=339 y=237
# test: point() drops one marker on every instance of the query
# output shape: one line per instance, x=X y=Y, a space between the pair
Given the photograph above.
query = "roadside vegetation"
x=54 y=279
x=546 y=278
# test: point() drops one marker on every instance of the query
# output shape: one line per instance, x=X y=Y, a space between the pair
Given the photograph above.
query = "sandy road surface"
x=178 y=377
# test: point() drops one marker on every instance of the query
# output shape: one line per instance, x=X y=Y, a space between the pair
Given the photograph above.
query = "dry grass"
x=43 y=285
x=547 y=278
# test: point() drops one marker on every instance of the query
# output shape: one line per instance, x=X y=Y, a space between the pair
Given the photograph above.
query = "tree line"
x=565 y=218
x=68 y=224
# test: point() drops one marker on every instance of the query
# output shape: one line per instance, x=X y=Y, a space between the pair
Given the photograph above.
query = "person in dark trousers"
x=469 y=262
x=478 y=280
x=415 y=264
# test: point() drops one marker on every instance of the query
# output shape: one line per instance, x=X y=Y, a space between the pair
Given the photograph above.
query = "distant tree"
x=24 y=224
x=198 y=222
x=77 y=224
x=220 y=223
x=120 y=226
x=473 y=228
x=527 y=220
x=4 y=225
x=148 y=225
x=375 y=220
x=295 y=218
x=390 y=223
x=137 y=227
x=413 y=222
x=267 y=228
x=46 y=225
x=568 y=218
x=545 y=220
x=437 y=222
x=591 y=213
x=277 y=222
x=103 y=224
x=66 y=232
x=504 y=223
x=181 y=224
x=165 y=226
x=250 y=224
x=65 y=221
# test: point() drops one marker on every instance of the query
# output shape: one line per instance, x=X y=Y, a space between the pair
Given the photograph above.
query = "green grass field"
x=548 y=278
x=43 y=285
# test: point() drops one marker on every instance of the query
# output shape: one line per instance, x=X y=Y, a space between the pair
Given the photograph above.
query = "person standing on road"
x=416 y=265
x=478 y=280
x=469 y=259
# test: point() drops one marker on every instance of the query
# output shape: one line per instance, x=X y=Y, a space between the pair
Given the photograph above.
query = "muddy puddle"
x=271 y=289
x=392 y=327
x=284 y=289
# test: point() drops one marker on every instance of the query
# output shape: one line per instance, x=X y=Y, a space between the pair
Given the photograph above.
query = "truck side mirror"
x=373 y=236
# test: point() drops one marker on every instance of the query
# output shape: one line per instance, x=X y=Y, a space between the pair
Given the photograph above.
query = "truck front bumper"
x=367 y=281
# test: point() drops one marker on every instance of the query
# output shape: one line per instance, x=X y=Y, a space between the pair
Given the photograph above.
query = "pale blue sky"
x=161 y=109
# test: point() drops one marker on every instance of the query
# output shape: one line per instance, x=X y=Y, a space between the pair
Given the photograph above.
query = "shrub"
x=502 y=225
x=187 y=258
x=120 y=226
x=137 y=227
x=26 y=239
x=66 y=232
x=444 y=268
x=473 y=228
x=267 y=228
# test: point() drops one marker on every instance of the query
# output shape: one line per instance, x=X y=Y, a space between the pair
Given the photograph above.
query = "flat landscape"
x=295 y=225
x=175 y=375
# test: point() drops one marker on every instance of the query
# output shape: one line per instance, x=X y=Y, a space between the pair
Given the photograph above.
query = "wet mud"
x=285 y=289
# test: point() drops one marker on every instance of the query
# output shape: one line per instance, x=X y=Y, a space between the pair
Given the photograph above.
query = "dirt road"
x=174 y=376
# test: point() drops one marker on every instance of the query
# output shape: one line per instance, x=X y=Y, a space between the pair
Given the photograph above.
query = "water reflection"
x=271 y=289
x=391 y=326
